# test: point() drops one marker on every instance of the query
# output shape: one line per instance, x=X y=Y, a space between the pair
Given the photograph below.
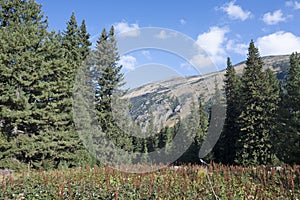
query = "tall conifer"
x=257 y=108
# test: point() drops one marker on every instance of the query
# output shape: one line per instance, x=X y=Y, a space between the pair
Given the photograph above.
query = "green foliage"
x=36 y=83
x=195 y=127
x=23 y=40
x=37 y=76
x=185 y=182
x=287 y=140
x=107 y=74
x=259 y=103
x=224 y=151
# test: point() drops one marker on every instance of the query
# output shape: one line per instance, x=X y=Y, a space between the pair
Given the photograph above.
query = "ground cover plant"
x=184 y=182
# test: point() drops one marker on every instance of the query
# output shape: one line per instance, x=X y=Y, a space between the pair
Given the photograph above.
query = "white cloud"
x=294 y=4
x=239 y=48
x=212 y=43
x=297 y=5
x=127 y=29
x=128 y=62
x=274 y=18
x=278 y=43
x=236 y=11
x=182 y=22
x=203 y=62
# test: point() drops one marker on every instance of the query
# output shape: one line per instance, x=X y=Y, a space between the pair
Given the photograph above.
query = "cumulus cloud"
x=236 y=11
x=127 y=29
x=274 y=18
x=294 y=4
x=212 y=43
x=128 y=62
x=203 y=62
x=239 y=48
x=278 y=43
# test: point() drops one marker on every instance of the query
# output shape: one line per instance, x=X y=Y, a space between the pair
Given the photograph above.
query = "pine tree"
x=106 y=73
x=36 y=83
x=109 y=78
x=195 y=127
x=152 y=135
x=167 y=138
x=66 y=148
x=85 y=43
x=23 y=43
x=254 y=145
x=74 y=48
x=224 y=151
x=288 y=137
x=271 y=108
x=203 y=124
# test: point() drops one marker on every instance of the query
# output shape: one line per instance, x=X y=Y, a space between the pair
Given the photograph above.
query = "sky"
x=221 y=28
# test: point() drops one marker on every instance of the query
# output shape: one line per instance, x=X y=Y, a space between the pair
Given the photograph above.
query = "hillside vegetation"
x=40 y=128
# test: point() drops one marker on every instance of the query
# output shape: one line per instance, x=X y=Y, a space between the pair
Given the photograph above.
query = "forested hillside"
x=38 y=70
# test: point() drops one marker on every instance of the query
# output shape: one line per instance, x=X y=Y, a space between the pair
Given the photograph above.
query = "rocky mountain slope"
x=168 y=100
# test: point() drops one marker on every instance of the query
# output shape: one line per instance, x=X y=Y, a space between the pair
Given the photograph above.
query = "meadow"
x=184 y=182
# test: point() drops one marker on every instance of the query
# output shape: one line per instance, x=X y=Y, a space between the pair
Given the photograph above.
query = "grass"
x=186 y=182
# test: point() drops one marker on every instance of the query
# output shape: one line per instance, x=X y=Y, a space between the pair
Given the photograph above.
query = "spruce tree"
x=167 y=137
x=254 y=145
x=108 y=76
x=195 y=127
x=84 y=44
x=23 y=46
x=36 y=83
x=108 y=79
x=66 y=148
x=224 y=151
x=288 y=136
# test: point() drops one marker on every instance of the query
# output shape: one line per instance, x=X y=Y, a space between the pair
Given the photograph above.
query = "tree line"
x=37 y=75
x=262 y=123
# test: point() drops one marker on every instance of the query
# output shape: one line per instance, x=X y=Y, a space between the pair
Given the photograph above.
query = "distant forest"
x=38 y=70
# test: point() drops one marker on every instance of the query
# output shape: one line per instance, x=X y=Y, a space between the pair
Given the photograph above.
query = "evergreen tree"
x=203 y=124
x=108 y=77
x=195 y=127
x=67 y=149
x=224 y=150
x=254 y=145
x=36 y=87
x=217 y=98
x=85 y=43
x=288 y=137
x=271 y=108
x=167 y=138
x=152 y=134
x=76 y=48
x=106 y=73
x=23 y=64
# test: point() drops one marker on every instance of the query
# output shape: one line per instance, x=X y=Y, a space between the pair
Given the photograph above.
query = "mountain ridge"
x=169 y=100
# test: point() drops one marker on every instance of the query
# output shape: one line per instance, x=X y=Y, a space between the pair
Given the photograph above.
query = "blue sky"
x=221 y=28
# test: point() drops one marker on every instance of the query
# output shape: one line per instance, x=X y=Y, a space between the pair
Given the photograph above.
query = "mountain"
x=168 y=100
